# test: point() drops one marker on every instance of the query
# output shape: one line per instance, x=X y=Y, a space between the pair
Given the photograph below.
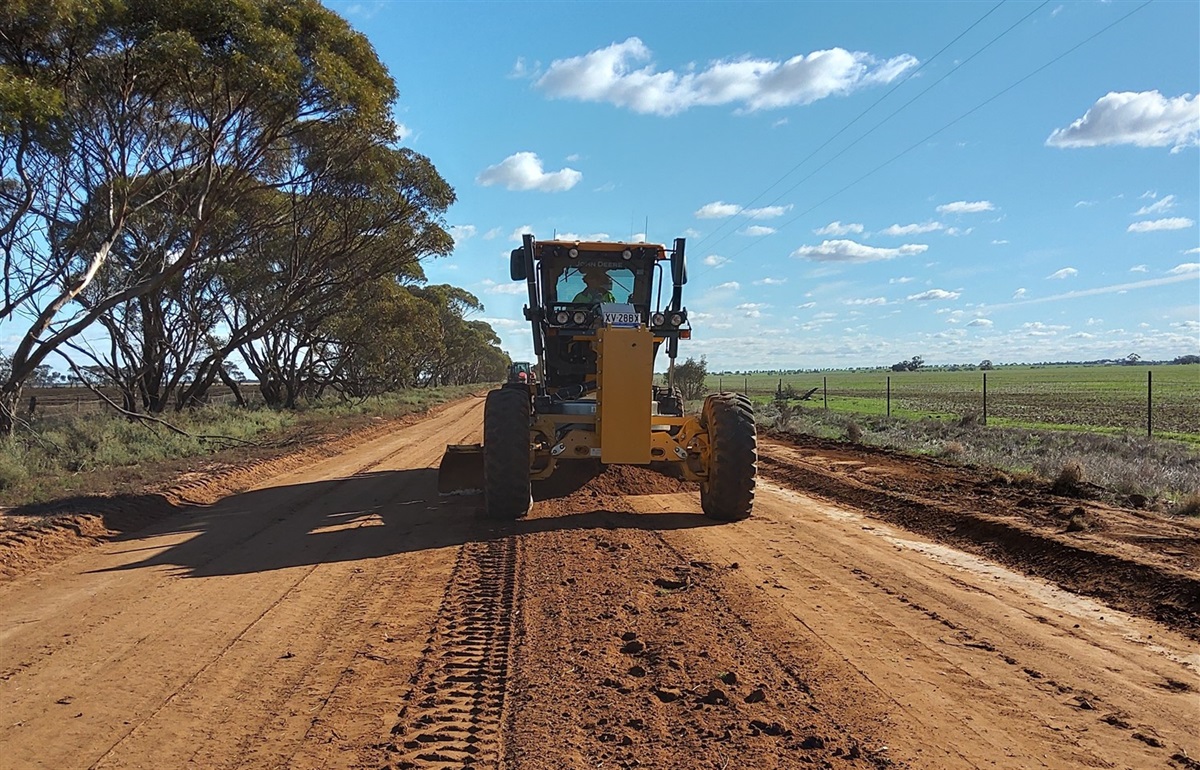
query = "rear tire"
x=728 y=492
x=506 y=486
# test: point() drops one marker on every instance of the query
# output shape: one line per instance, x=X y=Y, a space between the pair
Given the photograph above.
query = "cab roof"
x=554 y=248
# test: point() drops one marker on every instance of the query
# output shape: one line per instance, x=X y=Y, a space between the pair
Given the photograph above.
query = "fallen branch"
x=145 y=418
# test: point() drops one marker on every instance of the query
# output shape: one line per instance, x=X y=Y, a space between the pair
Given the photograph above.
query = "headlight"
x=658 y=319
x=561 y=317
x=676 y=319
x=573 y=253
x=626 y=254
x=579 y=317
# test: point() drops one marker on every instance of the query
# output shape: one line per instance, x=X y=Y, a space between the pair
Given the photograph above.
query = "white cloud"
x=756 y=230
x=728 y=286
x=902 y=279
x=1155 y=225
x=1193 y=251
x=1139 y=269
x=574 y=157
x=491 y=287
x=866 y=301
x=492 y=234
x=1084 y=204
x=722 y=210
x=1066 y=272
x=402 y=132
x=462 y=232
x=1018 y=294
x=837 y=228
x=1166 y=203
x=851 y=251
x=578 y=237
x=623 y=74
x=1000 y=242
x=984 y=322
x=913 y=229
x=523 y=171
x=1145 y=119
x=965 y=207
x=518 y=235
x=934 y=294
x=715 y=260
x=959 y=231
x=637 y=238
x=1185 y=268
x=770 y=281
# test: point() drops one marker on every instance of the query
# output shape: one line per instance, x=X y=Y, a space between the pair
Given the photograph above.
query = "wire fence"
x=1156 y=401
x=43 y=402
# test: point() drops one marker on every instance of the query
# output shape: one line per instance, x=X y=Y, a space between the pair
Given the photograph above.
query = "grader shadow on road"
x=366 y=516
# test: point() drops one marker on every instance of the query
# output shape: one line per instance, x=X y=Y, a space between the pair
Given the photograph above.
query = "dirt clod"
x=633 y=647
x=756 y=696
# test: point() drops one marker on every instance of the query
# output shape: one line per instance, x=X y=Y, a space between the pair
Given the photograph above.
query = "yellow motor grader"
x=599 y=320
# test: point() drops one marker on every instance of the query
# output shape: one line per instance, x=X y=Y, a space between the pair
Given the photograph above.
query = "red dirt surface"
x=336 y=612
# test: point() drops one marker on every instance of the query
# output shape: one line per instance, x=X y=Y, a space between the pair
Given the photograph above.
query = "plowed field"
x=332 y=610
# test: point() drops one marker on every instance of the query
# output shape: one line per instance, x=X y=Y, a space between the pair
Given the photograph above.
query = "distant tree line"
x=183 y=183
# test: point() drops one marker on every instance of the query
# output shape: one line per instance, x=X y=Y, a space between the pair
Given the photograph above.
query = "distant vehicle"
x=520 y=372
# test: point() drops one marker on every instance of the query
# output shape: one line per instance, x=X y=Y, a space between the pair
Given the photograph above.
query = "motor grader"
x=598 y=318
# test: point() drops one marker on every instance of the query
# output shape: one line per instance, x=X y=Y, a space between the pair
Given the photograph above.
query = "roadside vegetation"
x=105 y=453
x=1164 y=472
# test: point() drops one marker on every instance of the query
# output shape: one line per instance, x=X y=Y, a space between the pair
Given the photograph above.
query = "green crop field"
x=1100 y=398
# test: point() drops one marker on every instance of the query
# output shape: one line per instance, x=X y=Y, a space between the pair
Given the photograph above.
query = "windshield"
x=594 y=281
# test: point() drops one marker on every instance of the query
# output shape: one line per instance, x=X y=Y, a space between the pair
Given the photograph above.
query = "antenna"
x=646 y=231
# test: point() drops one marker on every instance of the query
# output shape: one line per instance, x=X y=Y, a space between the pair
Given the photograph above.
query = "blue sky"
x=980 y=208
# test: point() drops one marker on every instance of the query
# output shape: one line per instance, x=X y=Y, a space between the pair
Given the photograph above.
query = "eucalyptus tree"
x=112 y=113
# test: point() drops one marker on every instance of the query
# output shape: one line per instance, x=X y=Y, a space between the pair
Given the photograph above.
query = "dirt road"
x=344 y=615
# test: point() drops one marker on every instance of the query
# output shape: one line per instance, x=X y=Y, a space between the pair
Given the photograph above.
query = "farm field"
x=1103 y=398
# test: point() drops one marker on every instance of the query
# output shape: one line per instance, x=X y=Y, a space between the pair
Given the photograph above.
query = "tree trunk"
x=10 y=401
x=233 y=385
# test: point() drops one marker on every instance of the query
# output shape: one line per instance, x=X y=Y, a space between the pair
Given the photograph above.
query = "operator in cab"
x=598 y=287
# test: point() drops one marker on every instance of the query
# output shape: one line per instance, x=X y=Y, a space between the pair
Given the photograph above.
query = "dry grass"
x=64 y=454
x=1123 y=464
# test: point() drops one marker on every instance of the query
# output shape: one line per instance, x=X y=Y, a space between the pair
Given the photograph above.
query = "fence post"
x=985 y=398
x=720 y=384
x=1149 y=403
x=746 y=386
x=825 y=387
x=889 y=396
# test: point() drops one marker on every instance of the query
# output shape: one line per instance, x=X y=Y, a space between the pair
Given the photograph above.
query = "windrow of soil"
x=1138 y=561
x=35 y=536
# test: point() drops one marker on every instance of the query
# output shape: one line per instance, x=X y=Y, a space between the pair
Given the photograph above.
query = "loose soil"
x=331 y=610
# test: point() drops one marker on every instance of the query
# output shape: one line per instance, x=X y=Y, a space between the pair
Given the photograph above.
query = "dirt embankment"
x=1136 y=560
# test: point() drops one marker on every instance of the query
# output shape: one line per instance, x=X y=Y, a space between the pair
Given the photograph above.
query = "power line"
x=854 y=120
x=954 y=122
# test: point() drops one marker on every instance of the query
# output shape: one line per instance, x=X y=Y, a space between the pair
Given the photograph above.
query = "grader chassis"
x=593 y=398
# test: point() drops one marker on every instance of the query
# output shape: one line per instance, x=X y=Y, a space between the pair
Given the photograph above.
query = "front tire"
x=728 y=492
x=506 y=487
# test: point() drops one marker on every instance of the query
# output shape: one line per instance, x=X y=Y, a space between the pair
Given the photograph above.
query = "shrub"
x=1070 y=476
x=853 y=432
x=1190 y=505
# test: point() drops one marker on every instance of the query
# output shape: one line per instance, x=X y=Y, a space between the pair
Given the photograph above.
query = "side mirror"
x=516 y=264
x=678 y=263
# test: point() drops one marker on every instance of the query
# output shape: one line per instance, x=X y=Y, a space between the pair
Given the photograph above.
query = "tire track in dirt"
x=453 y=716
x=1167 y=595
x=633 y=654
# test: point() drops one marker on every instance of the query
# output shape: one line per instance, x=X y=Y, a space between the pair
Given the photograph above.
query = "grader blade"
x=461 y=471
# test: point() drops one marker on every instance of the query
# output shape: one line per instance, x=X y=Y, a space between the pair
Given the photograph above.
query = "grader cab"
x=599 y=319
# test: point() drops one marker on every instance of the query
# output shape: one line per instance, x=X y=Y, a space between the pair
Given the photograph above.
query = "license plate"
x=621 y=319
